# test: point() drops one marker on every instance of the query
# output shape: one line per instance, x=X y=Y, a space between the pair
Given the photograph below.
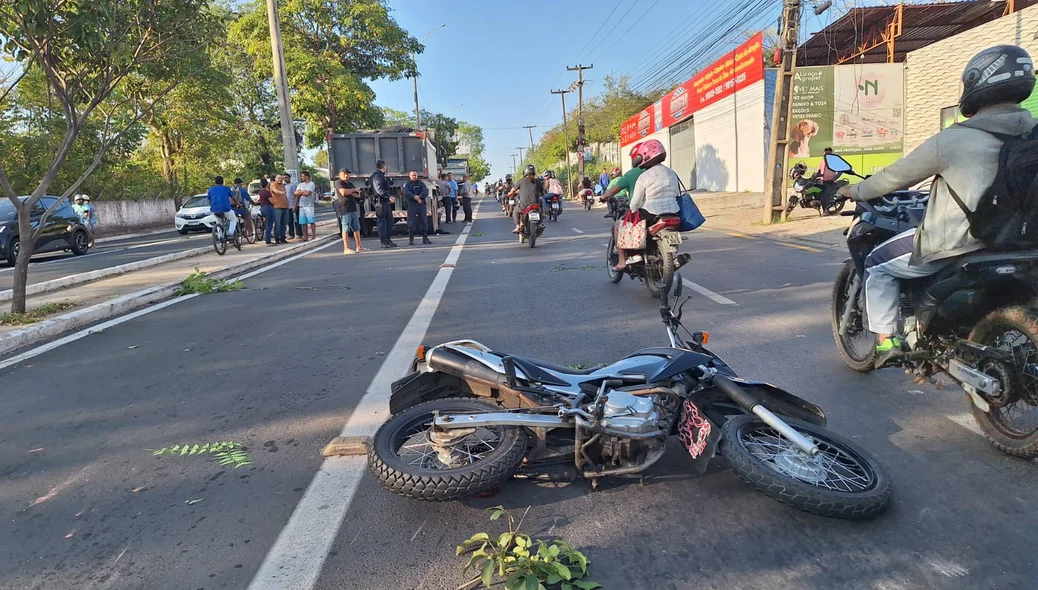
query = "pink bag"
x=633 y=234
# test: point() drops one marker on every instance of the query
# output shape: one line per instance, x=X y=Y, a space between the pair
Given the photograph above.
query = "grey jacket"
x=656 y=191
x=961 y=158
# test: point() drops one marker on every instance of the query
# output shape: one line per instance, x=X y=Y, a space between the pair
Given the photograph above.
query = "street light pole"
x=515 y=167
x=414 y=60
x=520 y=154
x=288 y=132
x=565 y=134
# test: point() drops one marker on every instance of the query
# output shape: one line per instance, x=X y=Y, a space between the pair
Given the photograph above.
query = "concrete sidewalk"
x=743 y=213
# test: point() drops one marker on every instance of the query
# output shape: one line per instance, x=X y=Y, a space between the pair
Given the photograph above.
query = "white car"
x=194 y=215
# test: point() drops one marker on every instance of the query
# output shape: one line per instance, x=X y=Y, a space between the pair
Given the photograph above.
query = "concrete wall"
x=663 y=135
x=933 y=72
x=730 y=142
x=118 y=215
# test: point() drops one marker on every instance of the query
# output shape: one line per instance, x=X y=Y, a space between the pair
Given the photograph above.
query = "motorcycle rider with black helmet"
x=964 y=159
x=506 y=190
x=530 y=190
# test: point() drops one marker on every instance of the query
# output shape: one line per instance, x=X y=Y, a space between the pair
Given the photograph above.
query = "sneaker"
x=887 y=351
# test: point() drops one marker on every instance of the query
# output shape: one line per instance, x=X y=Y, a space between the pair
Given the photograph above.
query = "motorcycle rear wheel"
x=404 y=461
x=659 y=270
x=859 y=353
x=612 y=259
x=842 y=481
x=999 y=425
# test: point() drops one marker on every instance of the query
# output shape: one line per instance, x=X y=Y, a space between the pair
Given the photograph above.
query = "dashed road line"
x=798 y=246
x=577 y=230
x=716 y=297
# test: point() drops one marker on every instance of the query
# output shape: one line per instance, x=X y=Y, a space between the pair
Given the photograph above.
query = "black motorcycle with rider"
x=947 y=281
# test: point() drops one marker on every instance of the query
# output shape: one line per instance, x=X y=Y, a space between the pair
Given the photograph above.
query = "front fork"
x=853 y=297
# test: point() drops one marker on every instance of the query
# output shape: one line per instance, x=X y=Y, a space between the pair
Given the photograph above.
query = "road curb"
x=50 y=328
x=104 y=273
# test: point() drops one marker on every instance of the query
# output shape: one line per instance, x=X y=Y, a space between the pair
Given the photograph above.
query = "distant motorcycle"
x=554 y=207
x=531 y=227
x=587 y=196
x=510 y=204
x=656 y=264
x=812 y=191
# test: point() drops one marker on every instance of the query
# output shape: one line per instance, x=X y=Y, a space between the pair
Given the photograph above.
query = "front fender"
x=775 y=399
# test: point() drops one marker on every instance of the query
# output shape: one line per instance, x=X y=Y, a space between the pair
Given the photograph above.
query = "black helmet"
x=530 y=170
x=508 y=177
x=798 y=170
x=549 y=174
x=996 y=75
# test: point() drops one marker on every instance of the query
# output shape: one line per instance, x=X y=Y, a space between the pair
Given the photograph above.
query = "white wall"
x=933 y=72
x=730 y=142
x=134 y=214
x=663 y=135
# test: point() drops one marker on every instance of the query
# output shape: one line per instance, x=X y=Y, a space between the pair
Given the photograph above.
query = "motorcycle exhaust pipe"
x=681 y=259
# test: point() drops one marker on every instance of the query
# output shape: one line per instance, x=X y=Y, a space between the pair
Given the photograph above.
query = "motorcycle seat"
x=535 y=368
x=957 y=274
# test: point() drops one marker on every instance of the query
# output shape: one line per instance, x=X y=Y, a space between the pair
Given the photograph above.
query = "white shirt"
x=306 y=200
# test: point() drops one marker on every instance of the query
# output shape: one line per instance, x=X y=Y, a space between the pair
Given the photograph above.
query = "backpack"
x=1006 y=217
x=236 y=197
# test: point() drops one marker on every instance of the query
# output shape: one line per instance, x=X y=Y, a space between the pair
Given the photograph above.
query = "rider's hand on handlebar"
x=846 y=191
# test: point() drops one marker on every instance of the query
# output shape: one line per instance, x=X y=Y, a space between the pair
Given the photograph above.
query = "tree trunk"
x=21 y=265
x=169 y=160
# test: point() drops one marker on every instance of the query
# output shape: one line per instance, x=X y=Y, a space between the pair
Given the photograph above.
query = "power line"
x=619 y=37
x=600 y=27
x=617 y=23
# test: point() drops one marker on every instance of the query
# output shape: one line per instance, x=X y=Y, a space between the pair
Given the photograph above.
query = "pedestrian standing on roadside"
x=466 y=197
x=267 y=208
x=292 y=221
x=453 y=212
x=384 y=200
x=416 y=195
x=445 y=197
x=306 y=197
x=347 y=207
x=279 y=199
x=603 y=179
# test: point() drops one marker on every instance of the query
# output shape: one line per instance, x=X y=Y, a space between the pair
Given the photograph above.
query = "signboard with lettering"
x=735 y=71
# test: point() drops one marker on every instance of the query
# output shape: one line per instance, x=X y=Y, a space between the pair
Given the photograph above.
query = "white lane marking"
x=577 y=230
x=708 y=293
x=70 y=258
x=967 y=422
x=298 y=555
x=136 y=314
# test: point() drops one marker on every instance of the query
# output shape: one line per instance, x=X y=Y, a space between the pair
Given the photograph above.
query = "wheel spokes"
x=832 y=468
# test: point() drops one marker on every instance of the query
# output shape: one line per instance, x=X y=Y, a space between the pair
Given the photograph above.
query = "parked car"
x=63 y=230
x=194 y=216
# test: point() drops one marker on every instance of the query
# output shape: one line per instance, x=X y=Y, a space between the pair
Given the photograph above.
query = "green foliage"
x=225 y=453
x=200 y=282
x=523 y=563
x=444 y=136
x=34 y=315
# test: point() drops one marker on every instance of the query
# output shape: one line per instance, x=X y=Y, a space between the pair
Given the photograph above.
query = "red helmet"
x=648 y=153
x=616 y=172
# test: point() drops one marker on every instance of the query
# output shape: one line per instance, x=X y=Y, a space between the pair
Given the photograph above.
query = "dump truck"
x=403 y=150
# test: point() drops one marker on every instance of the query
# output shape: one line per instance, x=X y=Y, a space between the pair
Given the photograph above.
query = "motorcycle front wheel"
x=857 y=345
x=405 y=461
x=841 y=481
x=1012 y=422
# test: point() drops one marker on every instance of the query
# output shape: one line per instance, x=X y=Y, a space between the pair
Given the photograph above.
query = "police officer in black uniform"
x=384 y=200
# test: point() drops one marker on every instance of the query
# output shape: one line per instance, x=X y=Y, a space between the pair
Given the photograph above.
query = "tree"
x=97 y=57
x=479 y=169
x=444 y=136
x=331 y=49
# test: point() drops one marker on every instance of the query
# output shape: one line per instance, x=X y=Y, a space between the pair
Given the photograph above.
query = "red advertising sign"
x=735 y=71
x=638 y=126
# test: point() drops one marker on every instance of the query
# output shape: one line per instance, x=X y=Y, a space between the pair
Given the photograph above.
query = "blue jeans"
x=268 y=218
x=545 y=202
x=280 y=219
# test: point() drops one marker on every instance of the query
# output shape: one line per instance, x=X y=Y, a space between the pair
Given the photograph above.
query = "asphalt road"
x=281 y=366
x=108 y=253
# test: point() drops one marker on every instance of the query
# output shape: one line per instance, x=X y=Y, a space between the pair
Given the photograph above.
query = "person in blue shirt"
x=220 y=204
x=603 y=180
x=452 y=211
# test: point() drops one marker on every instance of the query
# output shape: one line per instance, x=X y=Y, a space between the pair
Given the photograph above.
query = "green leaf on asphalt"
x=498 y=511
x=487 y=575
x=553 y=579
x=184 y=450
x=586 y=584
x=531 y=583
x=563 y=570
x=514 y=582
x=193 y=502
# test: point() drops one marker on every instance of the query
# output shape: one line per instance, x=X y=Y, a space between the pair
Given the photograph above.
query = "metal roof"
x=862 y=34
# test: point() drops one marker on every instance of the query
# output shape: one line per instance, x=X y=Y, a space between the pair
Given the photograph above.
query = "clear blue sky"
x=496 y=60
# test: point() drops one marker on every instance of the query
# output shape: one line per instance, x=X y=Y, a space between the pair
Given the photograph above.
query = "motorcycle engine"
x=628 y=413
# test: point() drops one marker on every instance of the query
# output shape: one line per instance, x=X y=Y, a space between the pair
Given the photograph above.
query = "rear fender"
x=421 y=386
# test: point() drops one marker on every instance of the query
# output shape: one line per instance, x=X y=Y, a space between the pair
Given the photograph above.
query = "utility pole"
x=530 y=129
x=288 y=131
x=778 y=151
x=565 y=134
x=580 y=111
x=520 y=154
x=414 y=60
x=515 y=167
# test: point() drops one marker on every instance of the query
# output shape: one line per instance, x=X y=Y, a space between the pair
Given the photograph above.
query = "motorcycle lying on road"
x=656 y=264
x=812 y=191
x=587 y=197
x=974 y=321
x=532 y=226
x=553 y=206
x=468 y=418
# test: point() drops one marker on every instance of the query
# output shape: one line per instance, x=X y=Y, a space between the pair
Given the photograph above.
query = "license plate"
x=673 y=239
x=511 y=201
x=555 y=206
x=535 y=216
